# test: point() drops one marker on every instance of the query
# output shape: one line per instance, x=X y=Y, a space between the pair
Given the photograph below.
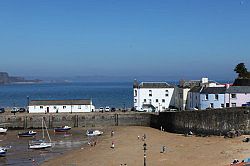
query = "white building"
x=59 y=106
x=152 y=96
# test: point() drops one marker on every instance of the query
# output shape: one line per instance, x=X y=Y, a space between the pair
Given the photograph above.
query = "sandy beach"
x=180 y=150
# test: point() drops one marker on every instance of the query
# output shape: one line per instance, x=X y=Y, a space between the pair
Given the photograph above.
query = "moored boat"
x=27 y=134
x=3 y=151
x=3 y=130
x=62 y=129
x=41 y=144
x=94 y=133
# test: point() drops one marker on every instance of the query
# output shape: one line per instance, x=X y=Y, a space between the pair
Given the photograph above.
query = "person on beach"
x=113 y=145
x=138 y=137
x=112 y=133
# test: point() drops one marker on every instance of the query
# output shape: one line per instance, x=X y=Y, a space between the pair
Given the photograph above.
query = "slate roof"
x=155 y=85
x=238 y=89
x=60 y=102
x=196 y=89
x=213 y=90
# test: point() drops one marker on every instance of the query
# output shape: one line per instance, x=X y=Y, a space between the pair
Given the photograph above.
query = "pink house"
x=236 y=96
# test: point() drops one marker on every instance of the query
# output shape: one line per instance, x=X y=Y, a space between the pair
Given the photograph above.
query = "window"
x=216 y=97
x=156 y=100
x=166 y=94
x=79 y=106
x=233 y=96
x=150 y=101
x=227 y=104
x=211 y=105
x=64 y=107
x=233 y=104
x=163 y=108
x=145 y=100
x=135 y=94
x=163 y=100
x=41 y=107
x=54 y=107
x=222 y=105
x=206 y=97
x=150 y=92
x=135 y=101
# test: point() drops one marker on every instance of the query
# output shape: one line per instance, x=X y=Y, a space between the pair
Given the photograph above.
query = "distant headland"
x=6 y=79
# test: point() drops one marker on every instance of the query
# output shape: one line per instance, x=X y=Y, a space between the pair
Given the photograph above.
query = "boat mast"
x=47 y=131
x=42 y=128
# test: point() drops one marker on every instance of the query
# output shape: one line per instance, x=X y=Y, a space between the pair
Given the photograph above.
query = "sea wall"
x=215 y=122
x=27 y=121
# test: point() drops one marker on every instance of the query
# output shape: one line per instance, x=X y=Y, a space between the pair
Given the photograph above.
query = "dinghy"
x=2 y=152
x=94 y=133
x=62 y=129
x=27 y=134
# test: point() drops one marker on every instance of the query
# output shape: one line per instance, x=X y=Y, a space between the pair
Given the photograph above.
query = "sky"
x=174 y=39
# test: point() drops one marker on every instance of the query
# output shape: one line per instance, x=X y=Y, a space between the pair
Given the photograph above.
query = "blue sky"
x=168 y=38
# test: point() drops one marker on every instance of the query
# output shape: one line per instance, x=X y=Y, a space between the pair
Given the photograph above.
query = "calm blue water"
x=102 y=94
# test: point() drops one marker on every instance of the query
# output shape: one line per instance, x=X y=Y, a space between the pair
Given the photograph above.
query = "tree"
x=241 y=69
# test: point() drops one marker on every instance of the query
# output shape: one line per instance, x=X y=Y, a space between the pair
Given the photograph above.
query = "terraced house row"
x=189 y=95
x=218 y=97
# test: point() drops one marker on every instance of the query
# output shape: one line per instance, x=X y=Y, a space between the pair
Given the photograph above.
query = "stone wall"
x=20 y=121
x=214 y=122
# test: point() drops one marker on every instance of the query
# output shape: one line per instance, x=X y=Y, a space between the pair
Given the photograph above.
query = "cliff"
x=6 y=79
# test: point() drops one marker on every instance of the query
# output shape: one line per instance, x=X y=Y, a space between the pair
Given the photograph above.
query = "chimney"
x=204 y=80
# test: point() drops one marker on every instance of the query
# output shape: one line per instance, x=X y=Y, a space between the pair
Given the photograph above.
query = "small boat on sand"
x=62 y=129
x=3 y=130
x=94 y=133
x=40 y=144
x=27 y=134
x=3 y=151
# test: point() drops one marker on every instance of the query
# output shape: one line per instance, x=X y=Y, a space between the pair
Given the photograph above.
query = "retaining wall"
x=26 y=121
x=214 y=122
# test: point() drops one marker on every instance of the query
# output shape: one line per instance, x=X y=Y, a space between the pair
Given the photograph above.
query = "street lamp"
x=144 y=149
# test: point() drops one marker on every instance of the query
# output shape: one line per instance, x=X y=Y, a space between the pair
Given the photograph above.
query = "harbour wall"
x=29 y=121
x=214 y=122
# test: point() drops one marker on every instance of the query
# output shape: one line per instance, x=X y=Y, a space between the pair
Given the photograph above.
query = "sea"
x=112 y=94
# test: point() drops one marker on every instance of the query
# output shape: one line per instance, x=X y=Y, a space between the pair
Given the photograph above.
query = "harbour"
x=19 y=154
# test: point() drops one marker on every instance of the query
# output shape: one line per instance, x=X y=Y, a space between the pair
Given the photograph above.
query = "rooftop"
x=60 y=102
x=213 y=90
x=155 y=85
x=238 y=89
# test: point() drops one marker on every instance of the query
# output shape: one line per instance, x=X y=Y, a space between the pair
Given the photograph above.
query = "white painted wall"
x=157 y=93
x=61 y=108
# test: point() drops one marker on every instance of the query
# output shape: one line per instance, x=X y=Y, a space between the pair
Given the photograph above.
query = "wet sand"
x=180 y=150
x=20 y=155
